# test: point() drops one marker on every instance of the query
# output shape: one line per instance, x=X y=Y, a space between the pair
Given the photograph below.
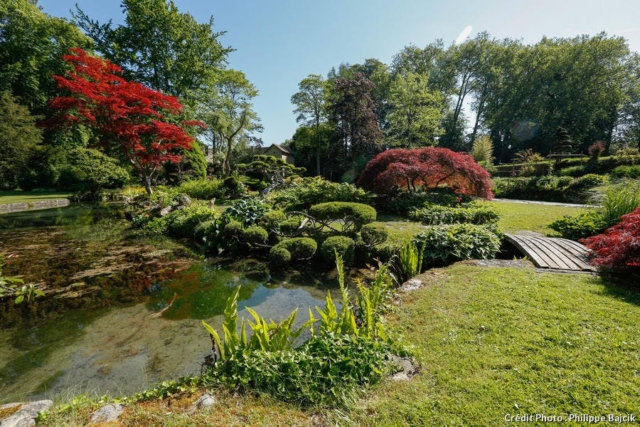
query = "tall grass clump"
x=620 y=199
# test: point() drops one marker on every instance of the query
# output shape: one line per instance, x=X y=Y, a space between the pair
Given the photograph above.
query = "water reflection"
x=122 y=348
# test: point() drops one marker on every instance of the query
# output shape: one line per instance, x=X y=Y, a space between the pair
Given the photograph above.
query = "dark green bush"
x=547 y=188
x=354 y=215
x=374 y=234
x=344 y=246
x=434 y=214
x=255 y=235
x=279 y=256
x=583 y=225
x=203 y=189
x=316 y=190
x=444 y=244
x=630 y=171
x=299 y=247
x=272 y=220
x=290 y=226
x=181 y=222
x=588 y=181
x=233 y=186
x=203 y=230
x=232 y=229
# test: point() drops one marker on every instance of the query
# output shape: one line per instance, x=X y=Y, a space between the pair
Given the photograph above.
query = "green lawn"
x=497 y=341
x=513 y=217
x=529 y=216
x=30 y=196
x=491 y=341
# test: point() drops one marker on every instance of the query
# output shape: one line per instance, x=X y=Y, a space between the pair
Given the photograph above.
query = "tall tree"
x=31 y=46
x=228 y=113
x=351 y=109
x=161 y=47
x=126 y=114
x=416 y=112
x=18 y=137
x=310 y=107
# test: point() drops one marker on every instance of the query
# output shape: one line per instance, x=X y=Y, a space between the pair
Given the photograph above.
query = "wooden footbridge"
x=553 y=253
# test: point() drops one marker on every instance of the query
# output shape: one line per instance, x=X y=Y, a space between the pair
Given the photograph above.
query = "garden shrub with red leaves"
x=425 y=168
x=618 y=247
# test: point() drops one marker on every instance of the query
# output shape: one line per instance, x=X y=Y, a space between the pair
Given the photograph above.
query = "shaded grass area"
x=30 y=196
x=497 y=341
x=530 y=216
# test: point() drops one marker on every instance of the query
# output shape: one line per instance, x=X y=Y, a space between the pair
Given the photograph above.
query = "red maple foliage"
x=128 y=114
x=617 y=247
x=428 y=167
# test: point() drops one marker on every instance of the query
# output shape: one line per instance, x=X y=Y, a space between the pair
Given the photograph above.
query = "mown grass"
x=30 y=196
x=497 y=341
x=516 y=217
x=491 y=341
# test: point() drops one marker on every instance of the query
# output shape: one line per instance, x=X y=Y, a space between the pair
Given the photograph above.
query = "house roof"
x=282 y=148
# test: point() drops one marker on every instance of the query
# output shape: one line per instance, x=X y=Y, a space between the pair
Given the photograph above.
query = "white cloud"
x=464 y=34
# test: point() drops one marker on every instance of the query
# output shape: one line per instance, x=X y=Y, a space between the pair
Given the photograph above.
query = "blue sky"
x=279 y=42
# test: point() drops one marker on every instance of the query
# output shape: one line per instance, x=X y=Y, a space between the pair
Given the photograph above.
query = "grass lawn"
x=530 y=216
x=497 y=341
x=492 y=341
x=30 y=196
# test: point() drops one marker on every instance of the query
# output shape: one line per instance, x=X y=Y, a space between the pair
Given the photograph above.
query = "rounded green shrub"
x=357 y=214
x=255 y=235
x=373 y=234
x=204 y=229
x=290 y=226
x=183 y=222
x=628 y=171
x=299 y=247
x=234 y=186
x=279 y=256
x=232 y=229
x=272 y=220
x=344 y=246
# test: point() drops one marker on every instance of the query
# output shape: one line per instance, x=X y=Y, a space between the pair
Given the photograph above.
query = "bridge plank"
x=553 y=253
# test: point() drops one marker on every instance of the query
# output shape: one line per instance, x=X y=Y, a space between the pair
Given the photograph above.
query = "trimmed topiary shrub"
x=232 y=229
x=344 y=246
x=233 y=186
x=588 y=181
x=290 y=226
x=203 y=230
x=444 y=244
x=373 y=234
x=299 y=247
x=183 y=222
x=279 y=256
x=354 y=215
x=255 y=235
x=311 y=191
x=272 y=220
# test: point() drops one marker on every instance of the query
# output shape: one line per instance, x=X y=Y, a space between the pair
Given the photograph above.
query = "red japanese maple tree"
x=126 y=114
x=618 y=247
x=424 y=168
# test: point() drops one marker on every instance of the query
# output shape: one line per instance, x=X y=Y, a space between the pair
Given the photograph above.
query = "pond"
x=106 y=325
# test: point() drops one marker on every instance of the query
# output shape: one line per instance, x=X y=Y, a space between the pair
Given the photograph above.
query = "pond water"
x=100 y=331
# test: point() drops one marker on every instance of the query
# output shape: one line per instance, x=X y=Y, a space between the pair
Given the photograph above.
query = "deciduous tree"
x=128 y=115
x=425 y=168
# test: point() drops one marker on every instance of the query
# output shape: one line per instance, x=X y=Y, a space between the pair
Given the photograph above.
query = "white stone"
x=26 y=415
x=107 y=413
